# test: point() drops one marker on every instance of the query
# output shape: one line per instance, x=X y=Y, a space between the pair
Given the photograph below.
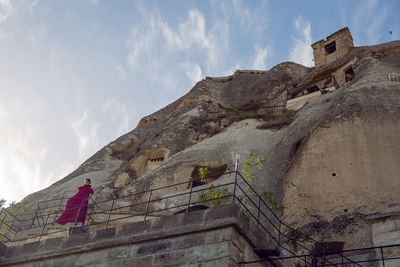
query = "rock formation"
x=335 y=165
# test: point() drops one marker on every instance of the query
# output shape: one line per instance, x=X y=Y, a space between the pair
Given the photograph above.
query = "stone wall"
x=386 y=231
x=298 y=102
x=343 y=41
x=221 y=236
x=347 y=167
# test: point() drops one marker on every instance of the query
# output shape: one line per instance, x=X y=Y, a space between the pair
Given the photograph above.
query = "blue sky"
x=75 y=75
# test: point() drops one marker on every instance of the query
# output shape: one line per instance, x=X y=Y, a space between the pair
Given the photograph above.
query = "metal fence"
x=158 y=202
x=394 y=77
x=388 y=255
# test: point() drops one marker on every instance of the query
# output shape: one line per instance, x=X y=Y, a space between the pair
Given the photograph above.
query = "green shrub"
x=249 y=165
x=13 y=208
x=203 y=171
x=214 y=198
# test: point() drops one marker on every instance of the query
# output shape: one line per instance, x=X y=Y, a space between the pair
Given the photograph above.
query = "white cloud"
x=368 y=20
x=302 y=52
x=20 y=160
x=239 y=10
x=364 y=11
x=57 y=57
x=153 y=43
x=231 y=70
x=87 y=134
x=120 y=72
x=192 y=71
x=6 y=10
x=119 y=114
x=260 y=57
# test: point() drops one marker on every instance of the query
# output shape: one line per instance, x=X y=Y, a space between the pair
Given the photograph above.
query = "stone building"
x=334 y=67
x=335 y=46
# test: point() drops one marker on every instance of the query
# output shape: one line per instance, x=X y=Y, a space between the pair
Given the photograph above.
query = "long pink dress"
x=80 y=200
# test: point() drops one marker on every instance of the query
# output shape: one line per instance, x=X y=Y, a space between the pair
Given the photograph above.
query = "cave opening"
x=213 y=173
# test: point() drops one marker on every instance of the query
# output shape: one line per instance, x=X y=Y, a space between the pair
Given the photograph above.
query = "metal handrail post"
x=13 y=222
x=95 y=203
x=76 y=219
x=1 y=220
x=15 y=234
x=279 y=233
x=148 y=203
x=58 y=209
x=109 y=214
x=190 y=194
x=44 y=226
x=258 y=213
x=342 y=258
x=236 y=174
x=41 y=215
x=383 y=260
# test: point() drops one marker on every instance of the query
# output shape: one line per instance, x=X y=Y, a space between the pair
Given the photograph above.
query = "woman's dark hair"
x=88 y=180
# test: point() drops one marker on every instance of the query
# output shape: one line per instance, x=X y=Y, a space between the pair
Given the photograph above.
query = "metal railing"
x=159 y=201
x=394 y=77
x=348 y=258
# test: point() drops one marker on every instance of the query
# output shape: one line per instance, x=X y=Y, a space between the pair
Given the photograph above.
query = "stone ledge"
x=3 y=249
x=138 y=232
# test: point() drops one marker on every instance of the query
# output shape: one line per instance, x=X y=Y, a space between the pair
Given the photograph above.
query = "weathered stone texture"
x=343 y=43
x=217 y=238
x=333 y=169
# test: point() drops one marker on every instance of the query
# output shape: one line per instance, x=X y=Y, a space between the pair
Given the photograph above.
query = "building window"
x=349 y=74
x=312 y=89
x=330 y=48
x=157 y=159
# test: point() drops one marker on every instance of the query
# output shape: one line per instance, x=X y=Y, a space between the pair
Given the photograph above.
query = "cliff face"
x=338 y=158
x=151 y=154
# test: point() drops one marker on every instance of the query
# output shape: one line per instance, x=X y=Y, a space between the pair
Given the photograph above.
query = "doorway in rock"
x=349 y=74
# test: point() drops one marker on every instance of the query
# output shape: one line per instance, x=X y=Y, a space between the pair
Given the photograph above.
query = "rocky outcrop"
x=152 y=154
x=338 y=158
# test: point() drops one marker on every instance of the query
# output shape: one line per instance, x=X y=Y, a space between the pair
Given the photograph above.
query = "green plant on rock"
x=249 y=165
x=214 y=198
x=18 y=207
x=294 y=235
x=203 y=172
x=13 y=208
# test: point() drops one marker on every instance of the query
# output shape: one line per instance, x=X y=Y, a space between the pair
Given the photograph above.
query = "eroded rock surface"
x=339 y=158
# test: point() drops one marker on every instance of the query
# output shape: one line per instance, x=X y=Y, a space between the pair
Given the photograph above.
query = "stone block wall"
x=344 y=43
x=386 y=231
x=221 y=236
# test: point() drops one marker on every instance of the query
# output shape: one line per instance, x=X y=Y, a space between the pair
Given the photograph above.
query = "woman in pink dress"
x=77 y=204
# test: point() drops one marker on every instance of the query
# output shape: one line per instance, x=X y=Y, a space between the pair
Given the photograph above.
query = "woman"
x=77 y=204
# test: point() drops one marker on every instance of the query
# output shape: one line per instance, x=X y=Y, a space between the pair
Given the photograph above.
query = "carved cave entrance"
x=213 y=173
